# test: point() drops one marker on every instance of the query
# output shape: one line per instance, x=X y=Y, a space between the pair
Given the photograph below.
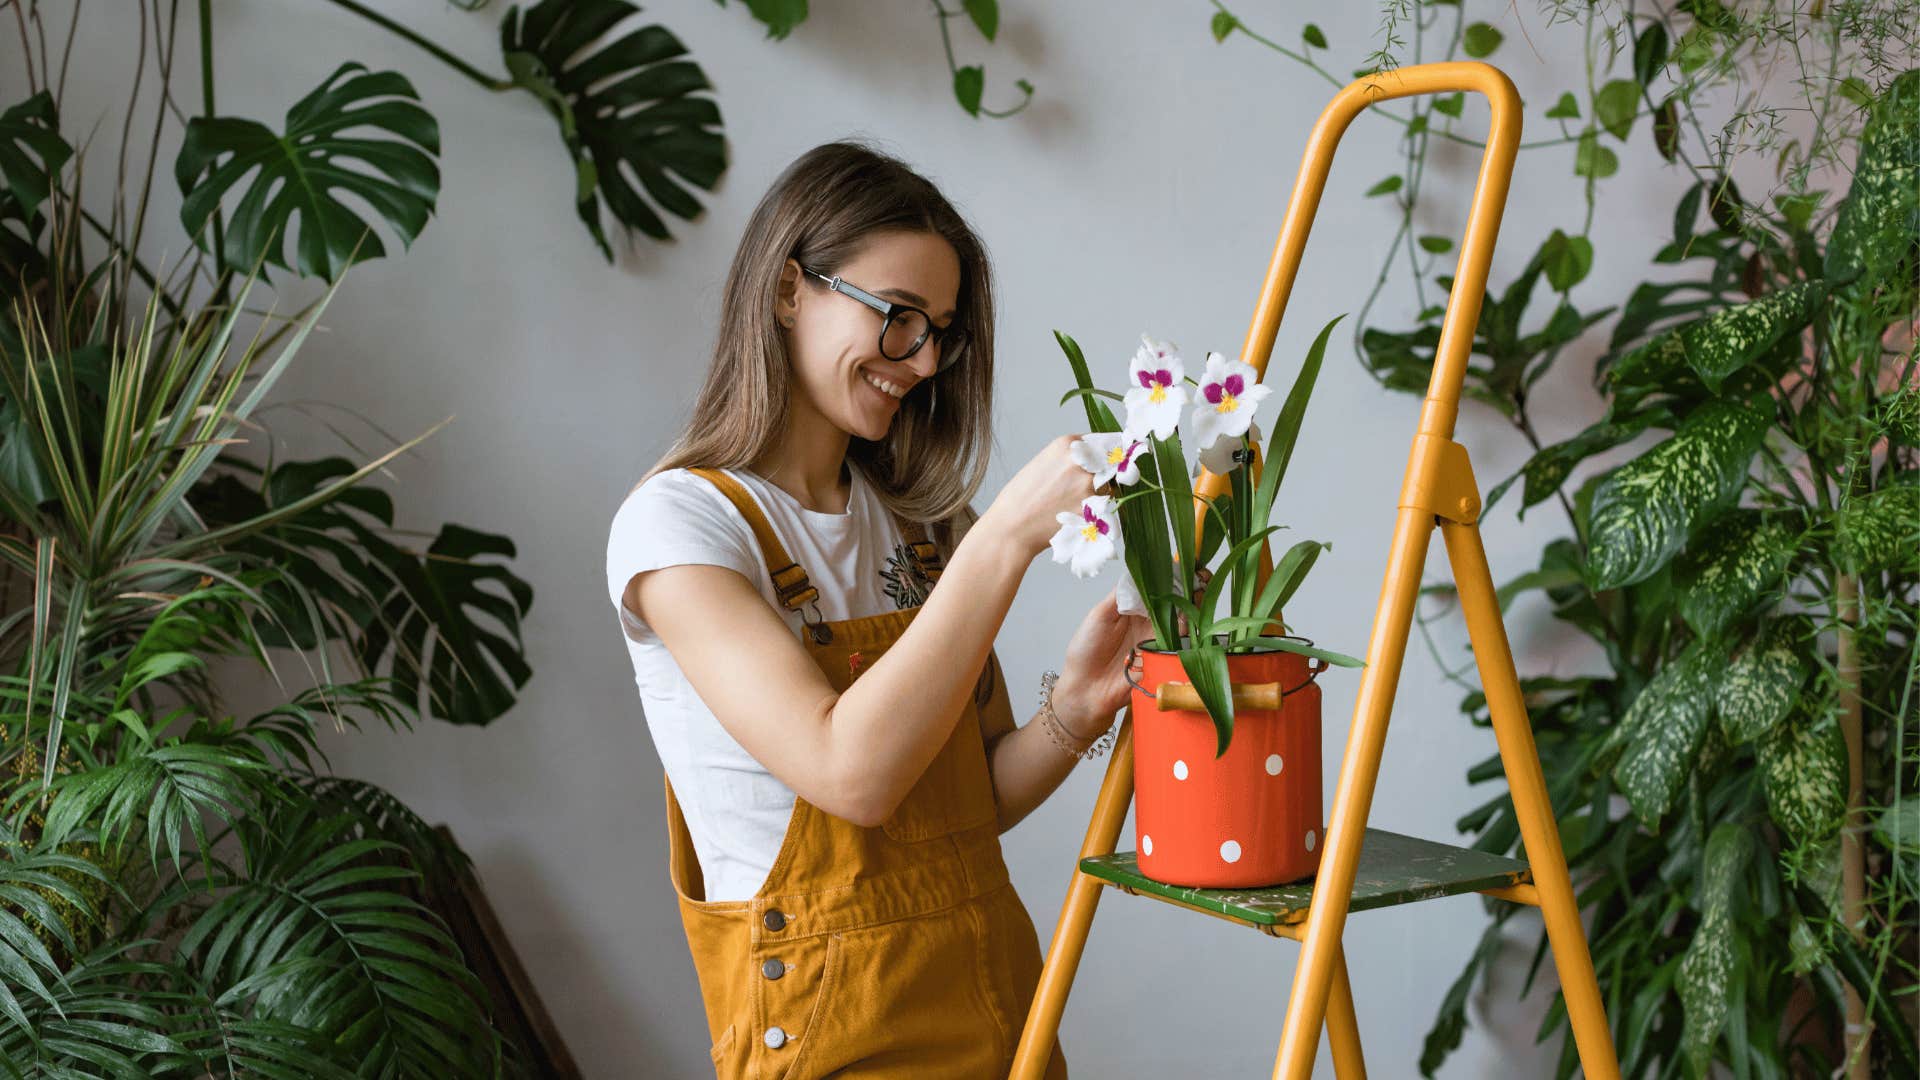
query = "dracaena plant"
x=1150 y=529
x=1735 y=776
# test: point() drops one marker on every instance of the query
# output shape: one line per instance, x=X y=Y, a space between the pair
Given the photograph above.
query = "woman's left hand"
x=1093 y=680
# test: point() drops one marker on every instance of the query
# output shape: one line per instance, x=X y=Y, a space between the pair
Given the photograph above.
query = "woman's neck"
x=809 y=461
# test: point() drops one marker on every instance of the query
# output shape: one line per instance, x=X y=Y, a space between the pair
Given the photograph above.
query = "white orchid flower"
x=1088 y=539
x=1230 y=391
x=1156 y=389
x=1218 y=458
x=1109 y=456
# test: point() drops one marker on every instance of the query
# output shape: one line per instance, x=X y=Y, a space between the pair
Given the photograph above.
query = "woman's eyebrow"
x=911 y=298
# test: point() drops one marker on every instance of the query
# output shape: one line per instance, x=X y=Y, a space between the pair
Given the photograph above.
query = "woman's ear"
x=786 y=294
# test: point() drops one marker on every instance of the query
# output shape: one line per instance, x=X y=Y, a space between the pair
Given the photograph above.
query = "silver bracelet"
x=1058 y=731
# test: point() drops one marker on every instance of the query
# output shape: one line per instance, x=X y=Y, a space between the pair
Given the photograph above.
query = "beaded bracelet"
x=1058 y=731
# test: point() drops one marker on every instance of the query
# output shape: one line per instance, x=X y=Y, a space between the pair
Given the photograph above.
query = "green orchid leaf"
x=1286 y=429
x=296 y=173
x=1762 y=681
x=1803 y=766
x=1729 y=568
x=1176 y=490
x=625 y=104
x=1645 y=510
x=1280 y=644
x=1099 y=417
x=1286 y=578
x=1662 y=731
x=1706 y=972
x=1206 y=668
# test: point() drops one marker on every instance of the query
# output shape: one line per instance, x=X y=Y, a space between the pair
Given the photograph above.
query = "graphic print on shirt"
x=905 y=581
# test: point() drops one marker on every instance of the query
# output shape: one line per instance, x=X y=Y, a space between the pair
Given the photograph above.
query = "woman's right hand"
x=1050 y=484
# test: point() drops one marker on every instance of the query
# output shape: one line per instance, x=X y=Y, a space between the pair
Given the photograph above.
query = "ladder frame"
x=1438 y=489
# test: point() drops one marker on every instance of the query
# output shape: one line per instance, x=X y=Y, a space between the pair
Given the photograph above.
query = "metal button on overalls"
x=903 y=950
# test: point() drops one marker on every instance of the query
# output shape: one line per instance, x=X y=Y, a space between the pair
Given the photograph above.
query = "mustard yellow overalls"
x=895 y=952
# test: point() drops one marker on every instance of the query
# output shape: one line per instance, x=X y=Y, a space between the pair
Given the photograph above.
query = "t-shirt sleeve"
x=676 y=517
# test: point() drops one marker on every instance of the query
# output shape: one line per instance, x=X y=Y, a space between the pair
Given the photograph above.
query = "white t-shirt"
x=736 y=810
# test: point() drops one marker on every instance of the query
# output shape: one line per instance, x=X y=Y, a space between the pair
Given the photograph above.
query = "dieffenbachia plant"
x=1151 y=528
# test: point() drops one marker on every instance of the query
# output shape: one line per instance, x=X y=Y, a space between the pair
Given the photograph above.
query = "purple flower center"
x=1232 y=384
x=1149 y=378
x=1091 y=518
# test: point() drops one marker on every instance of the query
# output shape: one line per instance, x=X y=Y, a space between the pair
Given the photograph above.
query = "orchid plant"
x=1150 y=528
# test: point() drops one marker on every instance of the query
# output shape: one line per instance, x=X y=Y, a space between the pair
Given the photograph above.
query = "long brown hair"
x=820 y=211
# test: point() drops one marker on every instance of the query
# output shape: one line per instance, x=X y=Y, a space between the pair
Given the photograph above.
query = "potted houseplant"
x=1226 y=714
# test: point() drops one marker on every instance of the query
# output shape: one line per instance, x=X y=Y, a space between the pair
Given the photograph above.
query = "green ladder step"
x=1394 y=869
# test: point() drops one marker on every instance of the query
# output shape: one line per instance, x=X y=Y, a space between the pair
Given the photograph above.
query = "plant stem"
x=452 y=61
x=1859 y=1031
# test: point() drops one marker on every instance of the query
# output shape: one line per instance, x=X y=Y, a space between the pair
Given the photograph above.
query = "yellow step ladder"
x=1361 y=867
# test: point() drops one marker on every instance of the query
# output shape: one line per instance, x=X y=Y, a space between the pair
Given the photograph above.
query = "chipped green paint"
x=1880 y=530
x=1643 y=511
x=1393 y=869
x=1731 y=338
x=1662 y=732
x=1761 y=682
x=1803 y=765
x=1706 y=971
x=1728 y=567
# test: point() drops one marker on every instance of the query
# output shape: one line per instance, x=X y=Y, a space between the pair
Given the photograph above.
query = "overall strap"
x=923 y=549
x=789 y=580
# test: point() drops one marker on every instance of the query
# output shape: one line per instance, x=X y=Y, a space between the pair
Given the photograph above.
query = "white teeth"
x=883 y=385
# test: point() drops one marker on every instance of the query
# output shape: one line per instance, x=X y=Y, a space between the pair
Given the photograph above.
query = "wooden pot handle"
x=1179 y=696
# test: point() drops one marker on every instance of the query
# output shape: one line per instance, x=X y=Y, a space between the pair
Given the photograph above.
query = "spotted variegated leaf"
x=1644 y=511
x=1706 y=972
x=1731 y=338
x=1661 y=733
x=1879 y=221
x=1803 y=765
x=1651 y=362
x=1730 y=565
x=1762 y=681
x=1548 y=470
x=1881 y=529
x=1804 y=948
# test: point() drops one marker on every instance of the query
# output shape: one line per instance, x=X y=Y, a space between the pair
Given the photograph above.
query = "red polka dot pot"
x=1249 y=818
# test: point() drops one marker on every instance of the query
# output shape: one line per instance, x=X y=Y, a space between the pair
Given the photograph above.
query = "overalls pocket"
x=722 y=1050
x=797 y=1012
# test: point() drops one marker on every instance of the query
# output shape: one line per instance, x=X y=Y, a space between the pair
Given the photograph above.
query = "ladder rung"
x=1394 y=869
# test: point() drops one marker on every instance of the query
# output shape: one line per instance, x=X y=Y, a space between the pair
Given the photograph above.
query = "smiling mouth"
x=892 y=390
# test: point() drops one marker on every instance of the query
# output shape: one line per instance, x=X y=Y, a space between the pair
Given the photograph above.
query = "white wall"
x=1142 y=191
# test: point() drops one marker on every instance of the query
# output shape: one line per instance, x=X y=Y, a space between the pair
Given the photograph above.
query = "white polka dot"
x=1230 y=851
x=1310 y=840
x=1179 y=770
x=1273 y=764
x=1146 y=845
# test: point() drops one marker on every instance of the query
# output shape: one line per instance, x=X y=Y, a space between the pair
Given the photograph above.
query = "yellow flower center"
x=1090 y=532
x=1228 y=403
x=1116 y=455
x=1158 y=394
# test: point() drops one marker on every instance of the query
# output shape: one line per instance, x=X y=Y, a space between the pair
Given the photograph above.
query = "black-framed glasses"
x=906 y=327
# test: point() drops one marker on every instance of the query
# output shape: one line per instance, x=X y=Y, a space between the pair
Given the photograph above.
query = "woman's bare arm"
x=857 y=754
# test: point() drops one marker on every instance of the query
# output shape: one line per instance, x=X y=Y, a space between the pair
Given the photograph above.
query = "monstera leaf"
x=627 y=103
x=450 y=621
x=297 y=173
x=28 y=131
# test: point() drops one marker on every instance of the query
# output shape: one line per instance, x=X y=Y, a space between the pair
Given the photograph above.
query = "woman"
x=840 y=753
